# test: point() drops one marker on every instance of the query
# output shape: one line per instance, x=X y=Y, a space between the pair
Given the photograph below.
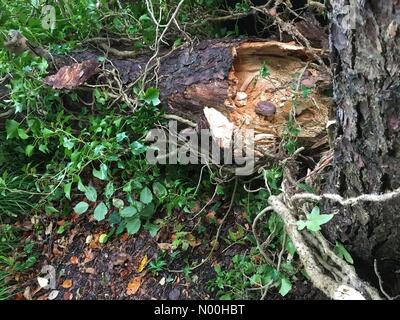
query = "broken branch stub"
x=71 y=77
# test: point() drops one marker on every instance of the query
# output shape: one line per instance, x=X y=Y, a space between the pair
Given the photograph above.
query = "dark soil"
x=96 y=271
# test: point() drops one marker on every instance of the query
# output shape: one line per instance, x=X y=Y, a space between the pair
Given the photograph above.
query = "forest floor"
x=88 y=270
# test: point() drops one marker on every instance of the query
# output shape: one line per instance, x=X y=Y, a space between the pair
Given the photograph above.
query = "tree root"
x=339 y=281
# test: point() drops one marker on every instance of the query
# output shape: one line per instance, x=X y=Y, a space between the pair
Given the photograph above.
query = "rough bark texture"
x=366 y=63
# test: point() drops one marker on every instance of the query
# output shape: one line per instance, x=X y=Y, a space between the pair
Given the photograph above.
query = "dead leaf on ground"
x=94 y=244
x=19 y=296
x=70 y=77
x=27 y=293
x=210 y=215
x=133 y=286
x=164 y=246
x=74 y=260
x=143 y=264
x=88 y=256
x=124 y=273
x=49 y=229
x=120 y=258
x=67 y=284
x=90 y=270
x=68 y=295
x=56 y=251
x=124 y=237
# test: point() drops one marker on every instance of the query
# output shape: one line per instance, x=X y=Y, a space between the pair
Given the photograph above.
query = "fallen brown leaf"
x=210 y=215
x=124 y=237
x=133 y=286
x=68 y=295
x=19 y=296
x=88 y=256
x=67 y=284
x=74 y=260
x=164 y=246
x=124 y=273
x=27 y=293
x=90 y=270
x=94 y=244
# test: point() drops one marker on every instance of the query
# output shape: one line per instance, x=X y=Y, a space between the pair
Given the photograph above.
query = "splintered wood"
x=276 y=72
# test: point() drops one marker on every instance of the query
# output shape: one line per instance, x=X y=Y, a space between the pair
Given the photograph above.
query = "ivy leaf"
x=29 y=150
x=100 y=211
x=151 y=228
x=152 y=96
x=133 y=226
x=102 y=173
x=121 y=136
x=12 y=129
x=146 y=196
x=81 y=207
x=22 y=134
x=118 y=203
x=68 y=143
x=114 y=218
x=343 y=253
x=91 y=194
x=137 y=148
x=81 y=187
x=110 y=189
x=305 y=187
x=128 y=212
x=47 y=133
x=148 y=211
x=314 y=220
x=67 y=190
x=301 y=224
x=43 y=148
x=285 y=287
x=159 y=190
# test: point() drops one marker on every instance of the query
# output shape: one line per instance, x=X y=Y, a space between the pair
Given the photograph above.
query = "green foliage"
x=81 y=207
x=314 y=220
x=342 y=252
x=264 y=70
x=290 y=134
x=157 y=265
x=247 y=273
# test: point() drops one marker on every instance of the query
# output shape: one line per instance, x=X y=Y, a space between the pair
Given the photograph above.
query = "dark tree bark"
x=365 y=43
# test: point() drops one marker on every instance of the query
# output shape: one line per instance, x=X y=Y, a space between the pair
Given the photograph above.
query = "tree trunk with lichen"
x=365 y=43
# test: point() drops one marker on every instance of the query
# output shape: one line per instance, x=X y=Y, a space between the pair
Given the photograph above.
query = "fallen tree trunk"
x=231 y=76
x=255 y=84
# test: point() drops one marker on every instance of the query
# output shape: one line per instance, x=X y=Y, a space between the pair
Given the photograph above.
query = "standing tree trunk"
x=365 y=43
